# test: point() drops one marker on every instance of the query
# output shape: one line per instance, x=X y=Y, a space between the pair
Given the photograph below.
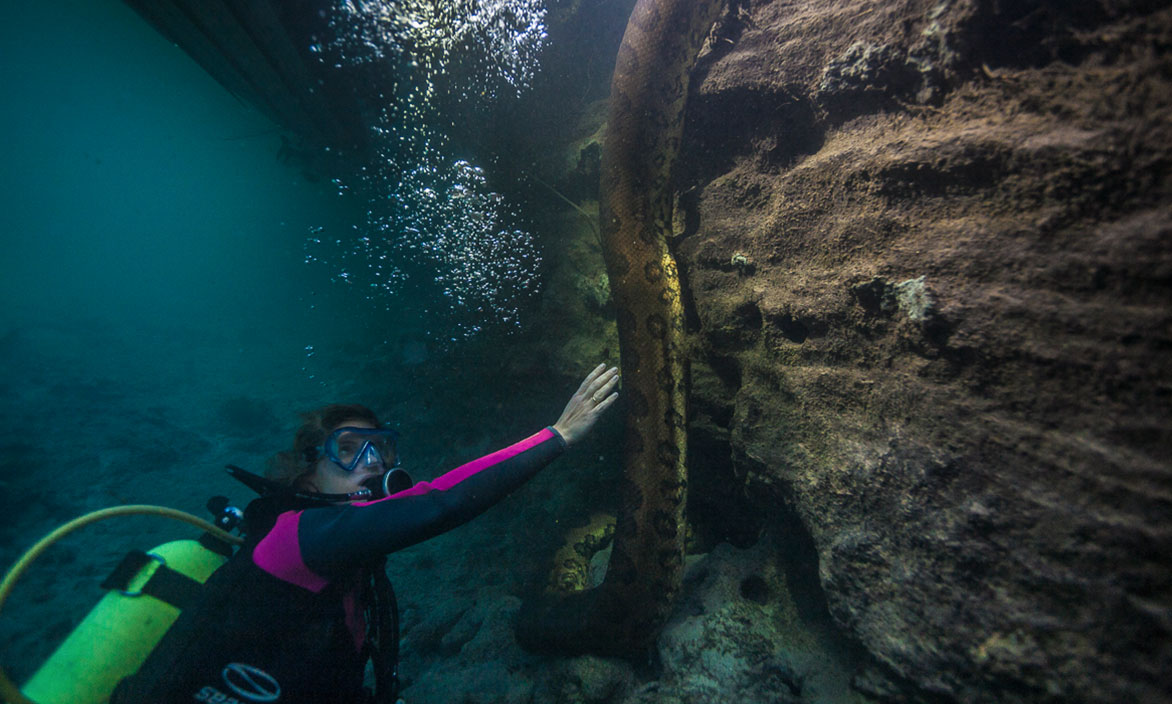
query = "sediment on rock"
x=933 y=244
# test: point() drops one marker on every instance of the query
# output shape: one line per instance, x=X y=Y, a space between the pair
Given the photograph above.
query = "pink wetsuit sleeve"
x=446 y=481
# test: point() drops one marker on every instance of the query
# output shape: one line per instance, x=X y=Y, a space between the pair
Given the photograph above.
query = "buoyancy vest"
x=251 y=637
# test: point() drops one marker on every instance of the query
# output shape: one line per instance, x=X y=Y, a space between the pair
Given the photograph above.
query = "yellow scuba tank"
x=116 y=637
x=119 y=634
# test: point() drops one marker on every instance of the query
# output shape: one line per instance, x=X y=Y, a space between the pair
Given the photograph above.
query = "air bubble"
x=429 y=213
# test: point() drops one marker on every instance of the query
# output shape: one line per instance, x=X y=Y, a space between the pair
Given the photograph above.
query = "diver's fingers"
x=590 y=379
x=606 y=403
x=608 y=385
x=603 y=384
x=596 y=381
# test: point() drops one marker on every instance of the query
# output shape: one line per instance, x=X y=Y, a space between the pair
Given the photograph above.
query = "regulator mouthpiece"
x=388 y=483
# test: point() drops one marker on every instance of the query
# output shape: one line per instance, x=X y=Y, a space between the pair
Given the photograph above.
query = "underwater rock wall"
x=929 y=251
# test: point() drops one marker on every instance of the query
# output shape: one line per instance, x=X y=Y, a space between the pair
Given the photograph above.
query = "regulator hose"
x=9 y=691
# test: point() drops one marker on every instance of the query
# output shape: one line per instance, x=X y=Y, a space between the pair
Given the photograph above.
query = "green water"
x=154 y=279
x=174 y=293
x=137 y=191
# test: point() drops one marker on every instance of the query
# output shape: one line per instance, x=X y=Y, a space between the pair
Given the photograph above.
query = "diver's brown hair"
x=291 y=467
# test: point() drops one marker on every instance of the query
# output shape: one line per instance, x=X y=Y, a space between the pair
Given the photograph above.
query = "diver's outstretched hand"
x=595 y=395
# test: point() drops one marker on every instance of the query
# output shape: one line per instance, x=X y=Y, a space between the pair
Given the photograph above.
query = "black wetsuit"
x=284 y=620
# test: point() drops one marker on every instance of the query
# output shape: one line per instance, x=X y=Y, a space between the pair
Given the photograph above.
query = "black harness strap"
x=385 y=646
x=166 y=584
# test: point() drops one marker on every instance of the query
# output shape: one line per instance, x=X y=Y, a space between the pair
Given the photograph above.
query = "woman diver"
x=304 y=604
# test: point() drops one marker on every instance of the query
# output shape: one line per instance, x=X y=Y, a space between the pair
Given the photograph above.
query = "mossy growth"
x=571 y=563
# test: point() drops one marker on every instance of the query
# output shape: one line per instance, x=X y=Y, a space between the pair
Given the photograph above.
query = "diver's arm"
x=308 y=547
x=334 y=539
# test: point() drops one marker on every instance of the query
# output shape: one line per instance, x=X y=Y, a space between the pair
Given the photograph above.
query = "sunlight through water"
x=434 y=227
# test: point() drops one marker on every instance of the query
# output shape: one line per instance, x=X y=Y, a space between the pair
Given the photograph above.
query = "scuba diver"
x=302 y=607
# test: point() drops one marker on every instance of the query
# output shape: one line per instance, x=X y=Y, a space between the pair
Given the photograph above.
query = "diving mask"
x=350 y=447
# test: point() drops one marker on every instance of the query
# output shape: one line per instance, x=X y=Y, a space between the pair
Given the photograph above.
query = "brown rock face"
x=929 y=250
